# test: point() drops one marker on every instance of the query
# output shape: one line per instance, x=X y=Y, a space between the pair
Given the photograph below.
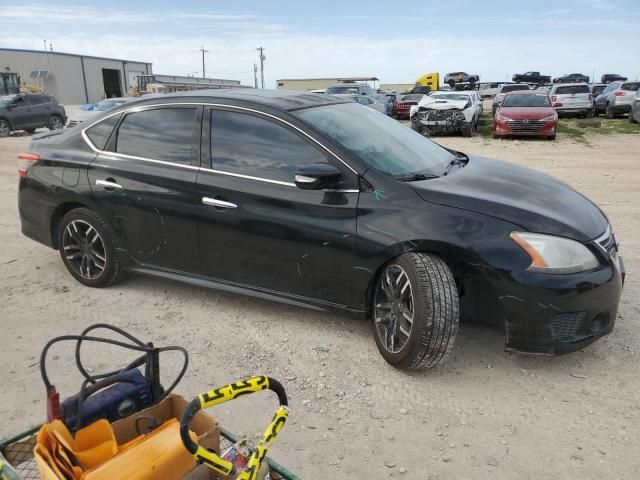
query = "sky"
x=394 y=42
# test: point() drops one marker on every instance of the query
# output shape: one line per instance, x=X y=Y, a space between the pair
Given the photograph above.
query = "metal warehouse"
x=305 y=84
x=73 y=79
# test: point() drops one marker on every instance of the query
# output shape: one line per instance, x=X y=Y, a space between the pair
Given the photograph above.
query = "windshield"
x=105 y=105
x=450 y=96
x=571 y=89
x=344 y=90
x=6 y=100
x=513 y=88
x=524 y=100
x=379 y=141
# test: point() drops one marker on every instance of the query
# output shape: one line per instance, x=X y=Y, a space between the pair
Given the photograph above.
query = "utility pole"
x=262 y=59
x=255 y=75
x=45 y=46
x=203 y=52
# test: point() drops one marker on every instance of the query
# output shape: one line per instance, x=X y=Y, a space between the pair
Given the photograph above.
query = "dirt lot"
x=485 y=414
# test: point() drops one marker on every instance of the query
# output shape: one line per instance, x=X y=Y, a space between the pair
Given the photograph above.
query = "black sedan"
x=316 y=201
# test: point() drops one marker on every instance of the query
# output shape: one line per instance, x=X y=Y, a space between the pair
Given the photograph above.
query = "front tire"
x=608 y=113
x=87 y=248
x=467 y=130
x=415 y=311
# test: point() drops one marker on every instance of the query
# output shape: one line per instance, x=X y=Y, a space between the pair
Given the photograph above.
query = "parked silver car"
x=616 y=99
x=96 y=109
x=634 y=114
x=571 y=99
x=354 y=88
x=503 y=90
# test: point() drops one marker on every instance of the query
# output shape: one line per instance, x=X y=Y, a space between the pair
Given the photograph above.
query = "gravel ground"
x=485 y=414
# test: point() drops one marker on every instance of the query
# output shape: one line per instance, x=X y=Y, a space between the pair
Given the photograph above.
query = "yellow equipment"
x=431 y=80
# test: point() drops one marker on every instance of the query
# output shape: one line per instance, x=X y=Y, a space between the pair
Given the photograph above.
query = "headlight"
x=550 y=118
x=551 y=254
x=502 y=118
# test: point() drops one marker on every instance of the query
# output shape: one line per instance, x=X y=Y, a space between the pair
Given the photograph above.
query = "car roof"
x=574 y=84
x=527 y=92
x=280 y=99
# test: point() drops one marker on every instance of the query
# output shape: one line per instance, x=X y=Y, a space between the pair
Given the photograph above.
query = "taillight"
x=619 y=93
x=26 y=161
x=554 y=98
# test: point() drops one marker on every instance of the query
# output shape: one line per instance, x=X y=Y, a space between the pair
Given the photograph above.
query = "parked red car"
x=526 y=113
x=404 y=103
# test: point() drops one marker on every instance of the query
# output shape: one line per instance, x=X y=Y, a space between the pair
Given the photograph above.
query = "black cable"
x=137 y=345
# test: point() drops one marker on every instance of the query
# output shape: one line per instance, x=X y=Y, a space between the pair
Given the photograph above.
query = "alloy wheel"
x=84 y=249
x=5 y=130
x=394 y=308
x=56 y=123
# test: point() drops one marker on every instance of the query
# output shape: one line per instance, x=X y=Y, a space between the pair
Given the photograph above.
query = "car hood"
x=432 y=103
x=529 y=113
x=519 y=195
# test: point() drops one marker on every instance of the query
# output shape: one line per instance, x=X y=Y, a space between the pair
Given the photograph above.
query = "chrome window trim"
x=140 y=108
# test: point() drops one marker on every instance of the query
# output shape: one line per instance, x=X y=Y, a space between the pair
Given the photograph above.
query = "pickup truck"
x=531 y=77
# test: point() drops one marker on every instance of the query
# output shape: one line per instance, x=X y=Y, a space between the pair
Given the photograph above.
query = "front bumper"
x=555 y=314
x=532 y=128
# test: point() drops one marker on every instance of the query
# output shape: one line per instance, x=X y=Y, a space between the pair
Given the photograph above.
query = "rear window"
x=631 y=86
x=526 y=100
x=514 y=88
x=571 y=89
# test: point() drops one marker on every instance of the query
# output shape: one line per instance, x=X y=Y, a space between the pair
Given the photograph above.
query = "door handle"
x=108 y=184
x=214 y=202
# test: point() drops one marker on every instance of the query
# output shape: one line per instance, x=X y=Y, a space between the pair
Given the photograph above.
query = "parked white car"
x=616 y=99
x=446 y=113
x=571 y=99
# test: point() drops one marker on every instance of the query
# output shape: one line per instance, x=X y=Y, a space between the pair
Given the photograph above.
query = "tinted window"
x=597 y=89
x=526 y=100
x=514 y=88
x=571 y=89
x=345 y=89
x=100 y=132
x=161 y=134
x=38 y=99
x=631 y=86
x=20 y=102
x=249 y=145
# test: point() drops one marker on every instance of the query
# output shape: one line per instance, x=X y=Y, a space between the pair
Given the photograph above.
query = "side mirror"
x=317 y=176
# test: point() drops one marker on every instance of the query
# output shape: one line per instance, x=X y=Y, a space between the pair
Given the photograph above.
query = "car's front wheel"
x=87 y=248
x=415 y=311
x=55 y=122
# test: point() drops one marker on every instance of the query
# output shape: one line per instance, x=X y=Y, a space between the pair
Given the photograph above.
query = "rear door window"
x=631 y=86
x=572 y=89
x=251 y=145
x=165 y=134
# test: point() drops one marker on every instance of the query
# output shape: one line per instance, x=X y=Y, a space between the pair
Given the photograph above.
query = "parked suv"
x=616 y=99
x=350 y=88
x=28 y=112
x=460 y=77
x=612 y=77
x=572 y=98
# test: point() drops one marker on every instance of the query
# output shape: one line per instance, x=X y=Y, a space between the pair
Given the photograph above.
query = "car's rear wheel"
x=87 y=248
x=5 y=128
x=608 y=113
x=55 y=122
x=415 y=311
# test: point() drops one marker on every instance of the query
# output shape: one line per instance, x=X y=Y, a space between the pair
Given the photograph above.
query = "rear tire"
x=55 y=122
x=420 y=286
x=88 y=249
x=5 y=128
x=631 y=119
